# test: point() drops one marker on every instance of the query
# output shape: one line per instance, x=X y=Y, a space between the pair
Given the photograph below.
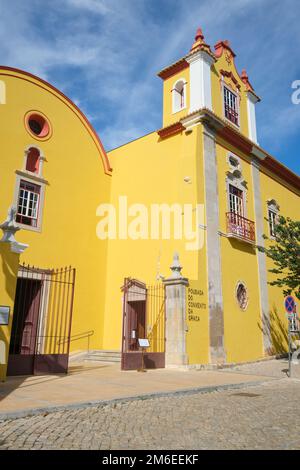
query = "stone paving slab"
x=265 y=416
x=273 y=368
x=91 y=382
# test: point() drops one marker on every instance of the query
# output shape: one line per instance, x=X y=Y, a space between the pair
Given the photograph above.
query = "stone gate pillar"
x=175 y=287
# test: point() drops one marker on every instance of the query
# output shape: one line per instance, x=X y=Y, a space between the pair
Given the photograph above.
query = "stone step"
x=104 y=356
x=102 y=359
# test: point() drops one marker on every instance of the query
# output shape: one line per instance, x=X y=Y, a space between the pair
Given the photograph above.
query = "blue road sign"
x=289 y=304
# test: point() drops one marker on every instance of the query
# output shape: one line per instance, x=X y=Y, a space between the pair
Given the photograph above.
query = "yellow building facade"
x=201 y=187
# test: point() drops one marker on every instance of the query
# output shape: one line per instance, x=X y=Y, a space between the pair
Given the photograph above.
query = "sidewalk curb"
x=146 y=396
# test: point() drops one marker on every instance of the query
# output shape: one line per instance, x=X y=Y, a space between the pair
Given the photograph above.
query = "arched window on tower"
x=33 y=160
x=179 y=95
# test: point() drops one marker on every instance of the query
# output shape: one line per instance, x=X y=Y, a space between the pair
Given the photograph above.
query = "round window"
x=241 y=295
x=37 y=125
x=233 y=161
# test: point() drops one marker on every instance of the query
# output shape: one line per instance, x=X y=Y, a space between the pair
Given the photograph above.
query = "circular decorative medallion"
x=241 y=295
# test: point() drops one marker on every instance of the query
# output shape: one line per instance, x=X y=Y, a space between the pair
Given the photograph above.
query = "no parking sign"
x=289 y=304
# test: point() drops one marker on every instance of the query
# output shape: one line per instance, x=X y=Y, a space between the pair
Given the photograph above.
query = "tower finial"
x=199 y=35
x=199 y=43
x=244 y=75
x=245 y=80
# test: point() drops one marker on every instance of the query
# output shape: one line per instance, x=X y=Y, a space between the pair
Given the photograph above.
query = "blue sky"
x=104 y=54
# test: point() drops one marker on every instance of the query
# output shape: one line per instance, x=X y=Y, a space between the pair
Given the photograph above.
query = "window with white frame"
x=273 y=211
x=179 y=96
x=272 y=216
x=28 y=203
x=231 y=109
x=236 y=200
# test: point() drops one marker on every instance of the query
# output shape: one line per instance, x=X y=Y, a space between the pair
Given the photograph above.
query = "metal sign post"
x=293 y=329
x=143 y=343
x=290 y=347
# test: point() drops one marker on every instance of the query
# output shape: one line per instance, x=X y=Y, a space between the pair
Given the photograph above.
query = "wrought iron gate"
x=143 y=317
x=41 y=329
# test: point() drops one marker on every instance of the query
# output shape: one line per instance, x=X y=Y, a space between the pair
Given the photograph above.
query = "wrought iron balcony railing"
x=240 y=227
x=231 y=114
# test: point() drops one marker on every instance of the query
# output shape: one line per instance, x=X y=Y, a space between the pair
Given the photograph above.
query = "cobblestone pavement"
x=260 y=417
x=271 y=368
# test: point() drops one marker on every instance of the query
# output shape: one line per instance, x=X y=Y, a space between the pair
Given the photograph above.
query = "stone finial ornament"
x=245 y=80
x=200 y=44
x=199 y=35
x=9 y=226
x=176 y=267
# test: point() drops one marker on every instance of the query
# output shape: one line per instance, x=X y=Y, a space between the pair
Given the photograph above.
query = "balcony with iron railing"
x=231 y=114
x=240 y=227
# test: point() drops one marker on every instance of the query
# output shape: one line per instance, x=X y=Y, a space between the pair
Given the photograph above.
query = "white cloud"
x=106 y=52
x=94 y=6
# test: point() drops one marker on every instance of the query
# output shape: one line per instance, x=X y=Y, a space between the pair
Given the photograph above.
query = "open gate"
x=143 y=317
x=42 y=319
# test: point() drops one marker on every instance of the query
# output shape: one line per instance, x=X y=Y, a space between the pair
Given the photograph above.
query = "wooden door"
x=24 y=327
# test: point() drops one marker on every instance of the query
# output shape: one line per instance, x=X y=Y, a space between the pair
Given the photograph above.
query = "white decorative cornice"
x=258 y=153
x=202 y=117
x=31 y=176
x=17 y=247
x=204 y=55
x=252 y=97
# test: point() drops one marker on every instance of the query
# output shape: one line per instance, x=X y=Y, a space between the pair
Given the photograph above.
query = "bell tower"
x=200 y=59
x=208 y=80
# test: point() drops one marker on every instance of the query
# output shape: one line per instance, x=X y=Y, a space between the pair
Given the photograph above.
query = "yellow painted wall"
x=76 y=186
x=242 y=329
x=9 y=263
x=168 y=116
x=289 y=207
x=150 y=170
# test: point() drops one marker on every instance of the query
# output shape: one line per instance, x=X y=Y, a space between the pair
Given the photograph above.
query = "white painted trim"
x=32 y=176
x=16 y=247
x=200 y=80
x=252 y=131
x=261 y=258
x=31 y=180
x=258 y=153
x=217 y=350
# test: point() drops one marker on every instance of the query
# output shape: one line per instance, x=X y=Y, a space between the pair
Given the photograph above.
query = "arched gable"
x=21 y=74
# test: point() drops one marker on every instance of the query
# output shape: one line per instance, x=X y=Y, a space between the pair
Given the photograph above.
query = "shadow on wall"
x=276 y=329
x=10 y=266
x=240 y=245
x=8 y=280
